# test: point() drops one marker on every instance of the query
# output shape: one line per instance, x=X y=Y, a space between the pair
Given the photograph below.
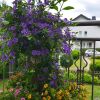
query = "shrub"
x=96 y=80
x=7 y=96
x=96 y=66
x=87 y=78
x=70 y=92
x=72 y=76
x=98 y=49
x=66 y=61
x=96 y=57
x=75 y=54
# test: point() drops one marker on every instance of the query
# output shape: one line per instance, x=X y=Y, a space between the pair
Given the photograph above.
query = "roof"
x=88 y=23
x=81 y=15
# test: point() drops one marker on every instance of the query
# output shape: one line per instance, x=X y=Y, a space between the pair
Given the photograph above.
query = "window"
x=85 y=33
x=84 y=45
x=90 y=44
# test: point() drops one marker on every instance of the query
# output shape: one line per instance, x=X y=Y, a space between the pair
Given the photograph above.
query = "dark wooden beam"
x=87 y=23
x=86 y=39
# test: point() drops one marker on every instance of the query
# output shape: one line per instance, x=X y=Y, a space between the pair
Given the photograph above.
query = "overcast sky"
x=87 y=7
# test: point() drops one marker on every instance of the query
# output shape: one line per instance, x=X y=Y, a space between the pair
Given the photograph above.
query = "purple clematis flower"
x=46 y=2
x=4 y=57
x=66 y=48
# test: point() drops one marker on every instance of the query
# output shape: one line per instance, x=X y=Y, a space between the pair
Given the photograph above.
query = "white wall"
x=80 y=19
x=92 y=32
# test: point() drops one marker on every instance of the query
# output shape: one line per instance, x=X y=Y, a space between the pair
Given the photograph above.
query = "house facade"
x=87 y=28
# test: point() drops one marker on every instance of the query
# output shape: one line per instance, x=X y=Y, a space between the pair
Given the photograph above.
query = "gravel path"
x=86 y=68
x=1 y=91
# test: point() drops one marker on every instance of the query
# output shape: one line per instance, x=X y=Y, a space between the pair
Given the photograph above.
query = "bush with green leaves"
x=7 y=96
x=98 y=49
x=87 y=78
x=96 y=57
x=66 y=60
x=96 y=67
x=72 y=76
x=75 y=54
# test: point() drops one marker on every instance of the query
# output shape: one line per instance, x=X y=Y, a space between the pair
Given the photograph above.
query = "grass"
x=78 y=63
x=96 y=60
x=96 y=91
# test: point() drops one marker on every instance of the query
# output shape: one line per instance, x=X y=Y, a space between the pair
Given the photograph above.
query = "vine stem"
x=60 y=9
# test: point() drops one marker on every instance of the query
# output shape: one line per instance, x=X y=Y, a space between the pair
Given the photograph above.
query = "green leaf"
x=54 y=7
x=5 y=22
x=68 y=8
x=65 y=0
x=59 y=1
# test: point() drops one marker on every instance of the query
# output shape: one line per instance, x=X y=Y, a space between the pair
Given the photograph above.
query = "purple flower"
x=9 y=43
x=53 y=83
x=12 y=28
x=43 y=25
x=40 y=52
x=54 y=77
x=67 y=33
x=24 y=25
x=52 y=17
x=35 y=52
x=14 y=8
x=40 y=4
x=46 y=2
x=12 y=53
x=66 y=48
x=29 y=1
x=15 y=40
x=50 y=33
x=25 y=32
x=44 y=51
x=12 y=62
x=67 y=21
x=4 y=57
x=57 y=66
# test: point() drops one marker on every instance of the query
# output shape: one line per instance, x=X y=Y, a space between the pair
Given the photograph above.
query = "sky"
x=88 y=8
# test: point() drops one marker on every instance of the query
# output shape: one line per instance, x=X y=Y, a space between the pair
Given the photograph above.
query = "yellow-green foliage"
x=71 y=92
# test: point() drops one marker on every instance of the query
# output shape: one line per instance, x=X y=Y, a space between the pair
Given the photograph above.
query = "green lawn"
x=96 y=92
x=96 y=60
x=78 y=63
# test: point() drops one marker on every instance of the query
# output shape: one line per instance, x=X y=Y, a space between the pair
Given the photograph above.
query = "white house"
x=88 y=28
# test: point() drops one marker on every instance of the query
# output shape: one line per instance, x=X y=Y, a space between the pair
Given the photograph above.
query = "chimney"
x=93 y=17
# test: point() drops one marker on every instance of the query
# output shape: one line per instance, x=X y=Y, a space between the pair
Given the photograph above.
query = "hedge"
x=75 y=54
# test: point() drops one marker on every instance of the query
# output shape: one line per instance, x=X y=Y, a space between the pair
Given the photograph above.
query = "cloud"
x=87 y=7
x=92 y=7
